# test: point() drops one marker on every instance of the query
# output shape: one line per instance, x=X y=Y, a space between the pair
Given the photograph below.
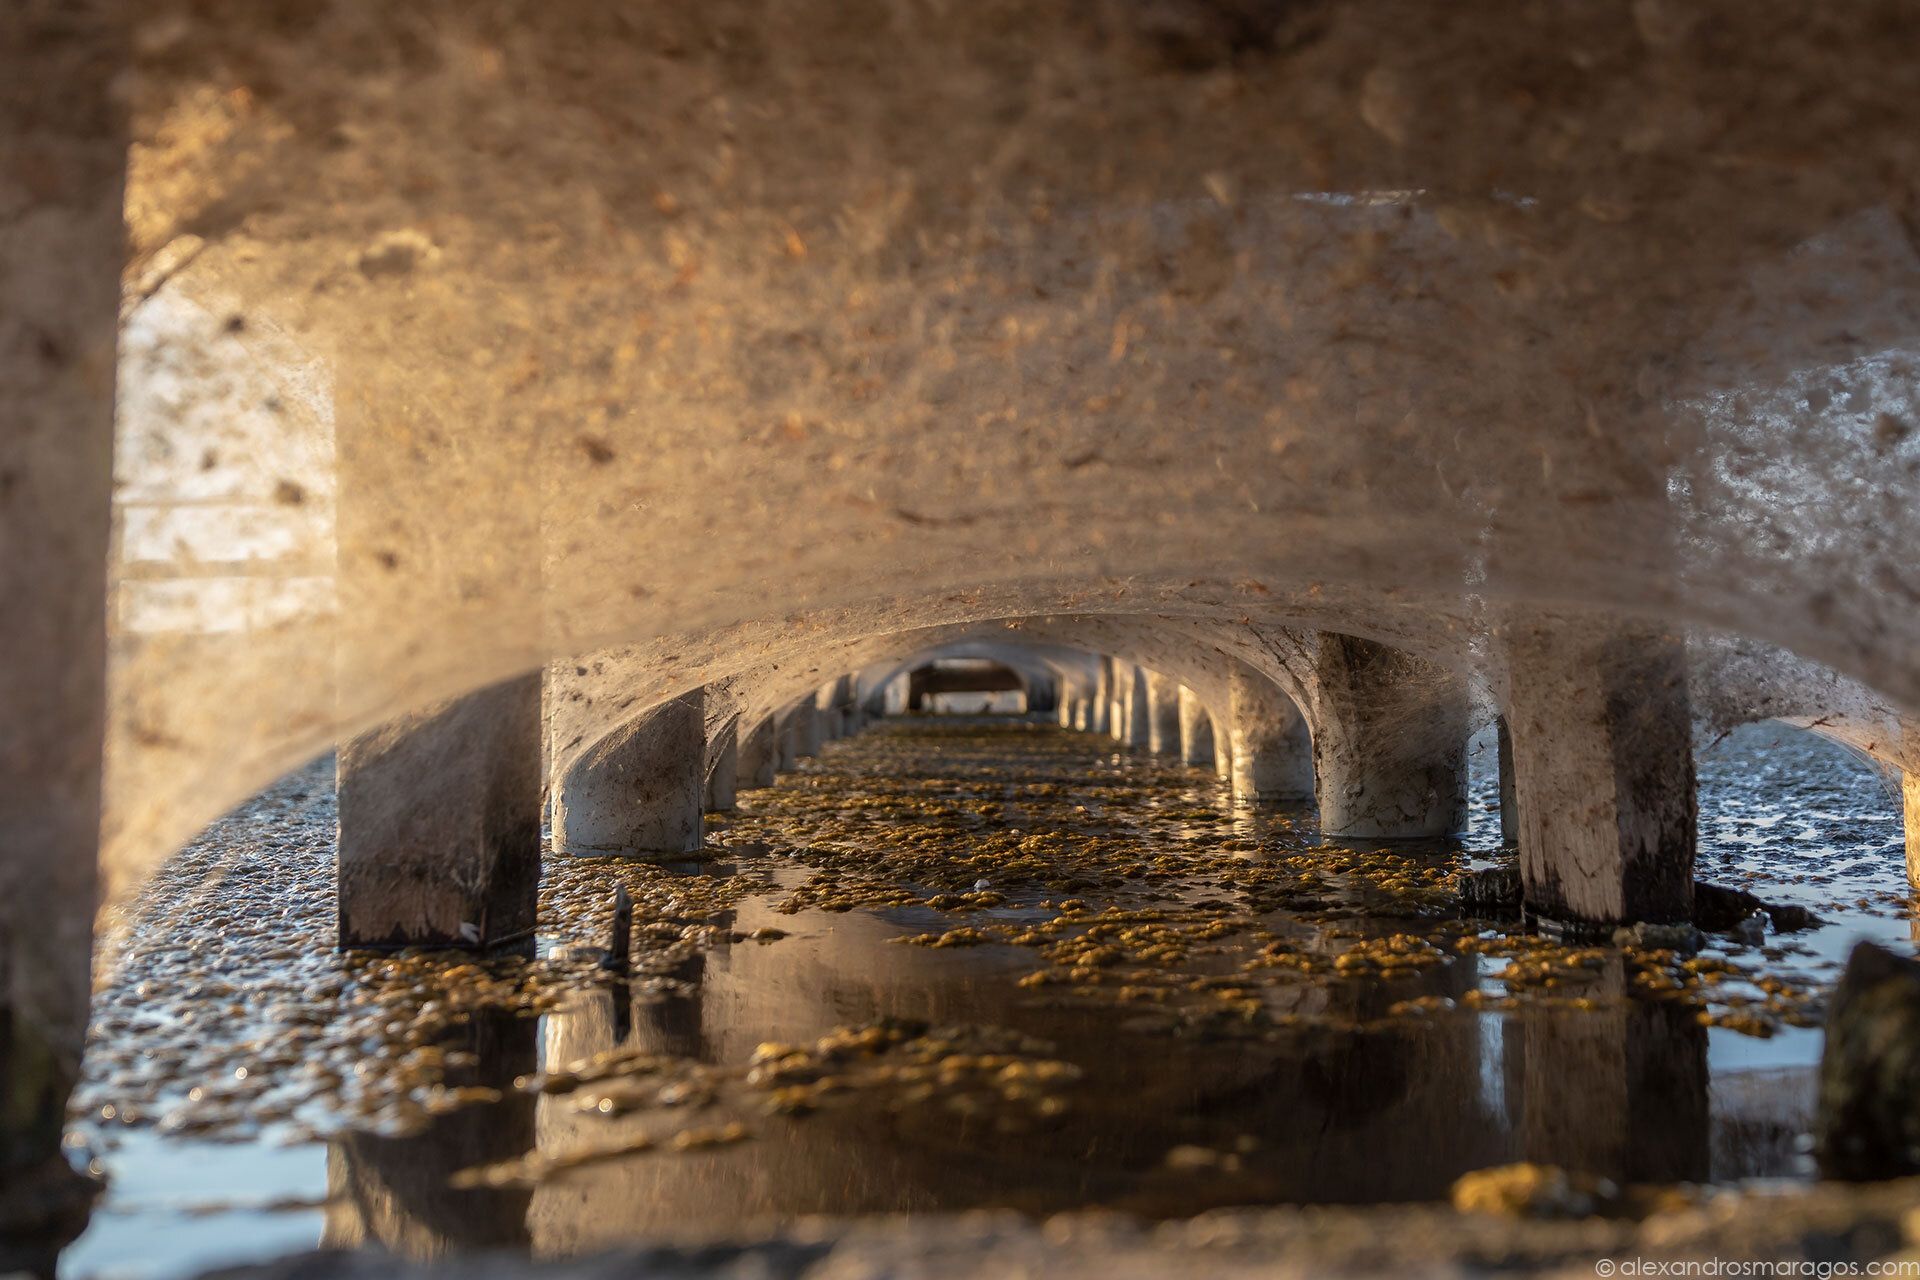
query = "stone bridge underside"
x=1371 y=368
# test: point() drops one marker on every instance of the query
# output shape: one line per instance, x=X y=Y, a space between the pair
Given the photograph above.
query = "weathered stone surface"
x=639 y=791
x=1196 y=730
x=63 y=149
x=723 y=769
x=1603 y=769
x=759 y=755
x=1271 y=749
x=1163 y=711
x=439 y=841
x=1389 y=742
x=1868 y=1121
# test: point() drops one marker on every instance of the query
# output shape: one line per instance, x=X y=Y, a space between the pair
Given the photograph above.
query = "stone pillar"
x=759 y=756
x=1139 y=719
x=1509 y=806
x=1101 y=705
x=1272 y=751
x=1222 y=748
x=1602 y=770
x=829 y=702
x=439 y=812
x=1910 y=791
x=1163 y=714
x=840 y=707
x=790 y=732
x=1389 y=743
x=1121 y=704
x=723 y=767
x=1063 y=710
x=1196 y=730
x=1082 y=713
x=63 y=151
x=637 y=792
x=806 y=720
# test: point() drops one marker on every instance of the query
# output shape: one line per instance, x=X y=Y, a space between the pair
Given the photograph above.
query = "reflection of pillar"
x=439 y=840
x=395 y=1192
x=723 y=767
x=1602 y=770
x=639 y=790
x=1272 y=751
x=1196 y=729
x=759 y=757
x=1620 y=1092
x=63 y=152
x=1389 y=742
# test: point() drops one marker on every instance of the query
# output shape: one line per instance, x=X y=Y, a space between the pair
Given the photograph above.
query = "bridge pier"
x=1509 y=804
x=1100 y=708
x=63 y=153
x=638 y=792
x=1163 y=714
x=1602 y=770
x=759 y=756
x=439 y=839
x=1389 y=743
x=1910 y=792
x=1139 y=717
x=809 y=732
x=1196 y=730
x=1272 y=751
x=723 y=767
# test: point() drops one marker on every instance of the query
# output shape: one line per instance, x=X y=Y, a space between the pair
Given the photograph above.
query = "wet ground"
x=950 y=964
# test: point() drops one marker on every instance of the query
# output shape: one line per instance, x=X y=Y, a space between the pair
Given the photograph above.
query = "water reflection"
x=396 y=1192
x=1352 y=1108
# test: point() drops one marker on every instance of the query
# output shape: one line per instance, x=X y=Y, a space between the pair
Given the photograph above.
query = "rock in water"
x=1867 y=1125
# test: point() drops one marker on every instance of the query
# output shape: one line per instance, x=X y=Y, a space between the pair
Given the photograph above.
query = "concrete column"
x=1602 y=770
x=1509 y=806
x=1272 y=751
x=1120 y=701
x=1389 y=743
x=809 y=730
x=1163 y=714
x=723 y=767
x=1082 y=713
x=1063 y=710
x=1910 y=790
x=1222 y=748
x=439 y=812
x=1100 y=707
x=790 y=730
x=759 y=757
x=638 y=792
x=1139 y=720
x=840 y=707
x=1196 y=730
x=825 y=712
x=63 y=150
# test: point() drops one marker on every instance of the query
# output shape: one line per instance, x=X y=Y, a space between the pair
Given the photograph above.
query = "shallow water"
x=1218 y=1027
